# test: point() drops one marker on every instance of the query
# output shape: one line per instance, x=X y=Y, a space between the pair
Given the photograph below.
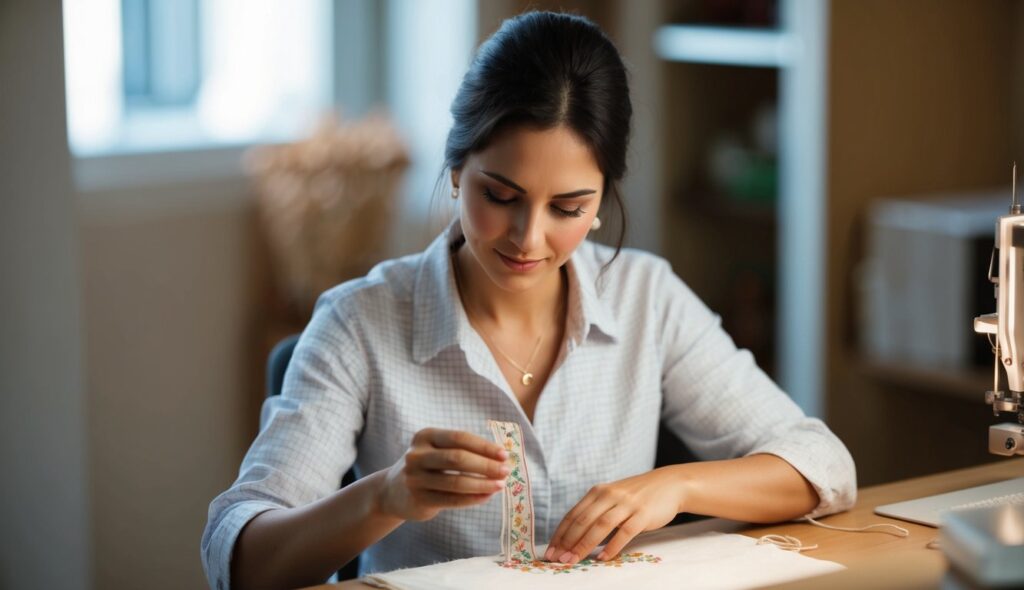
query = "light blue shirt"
x=393 y=352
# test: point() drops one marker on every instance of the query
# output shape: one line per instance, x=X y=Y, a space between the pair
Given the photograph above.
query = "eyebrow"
x=517 y=188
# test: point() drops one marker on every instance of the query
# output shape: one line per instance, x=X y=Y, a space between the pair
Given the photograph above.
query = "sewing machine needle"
x=1015 y=208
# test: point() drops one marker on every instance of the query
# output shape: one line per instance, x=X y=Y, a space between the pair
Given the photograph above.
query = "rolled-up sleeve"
x=308 y=440
x=722 y=405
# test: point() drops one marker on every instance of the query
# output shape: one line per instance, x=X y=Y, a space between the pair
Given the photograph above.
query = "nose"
x=527 y=232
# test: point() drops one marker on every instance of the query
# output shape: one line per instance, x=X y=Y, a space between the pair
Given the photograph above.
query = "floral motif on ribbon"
x=517 y=503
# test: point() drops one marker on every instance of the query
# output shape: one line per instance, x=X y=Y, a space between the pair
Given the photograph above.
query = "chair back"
x=277 y=363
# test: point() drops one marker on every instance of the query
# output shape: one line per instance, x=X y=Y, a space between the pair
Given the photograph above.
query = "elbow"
x=841 y=493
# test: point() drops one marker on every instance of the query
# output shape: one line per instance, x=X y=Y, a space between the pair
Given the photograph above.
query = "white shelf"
x=723 y=46
x=799 y=48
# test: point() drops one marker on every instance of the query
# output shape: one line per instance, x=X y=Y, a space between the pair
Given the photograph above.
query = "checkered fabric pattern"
x=393 y=352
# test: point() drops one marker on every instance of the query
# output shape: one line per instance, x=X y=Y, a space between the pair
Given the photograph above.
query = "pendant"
x=527 y=378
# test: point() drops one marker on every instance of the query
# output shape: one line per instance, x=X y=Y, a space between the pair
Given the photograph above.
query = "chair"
x=277 y=364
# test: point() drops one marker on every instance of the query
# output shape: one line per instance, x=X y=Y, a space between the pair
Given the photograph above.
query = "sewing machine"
x=1005 y=329
x=987 y=542
x=982 y=528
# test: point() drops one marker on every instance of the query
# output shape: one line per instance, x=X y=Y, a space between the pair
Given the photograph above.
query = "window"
x=160 y=75
x=160 y=44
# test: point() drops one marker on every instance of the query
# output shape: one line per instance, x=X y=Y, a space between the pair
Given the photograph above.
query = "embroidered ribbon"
x=517 y=501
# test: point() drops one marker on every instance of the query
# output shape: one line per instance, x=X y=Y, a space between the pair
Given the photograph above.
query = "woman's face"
x=527 y=201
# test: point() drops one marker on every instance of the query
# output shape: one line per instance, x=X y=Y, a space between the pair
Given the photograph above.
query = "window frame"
x=198 y=161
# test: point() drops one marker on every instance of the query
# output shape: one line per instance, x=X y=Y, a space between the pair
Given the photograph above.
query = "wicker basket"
x=326 y=204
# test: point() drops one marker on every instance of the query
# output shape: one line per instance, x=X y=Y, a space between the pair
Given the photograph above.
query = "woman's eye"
x=569 y=212
x=491 y=197
x=494 y=199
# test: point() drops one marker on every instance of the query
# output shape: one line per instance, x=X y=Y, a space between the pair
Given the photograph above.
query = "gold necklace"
x=527 y=378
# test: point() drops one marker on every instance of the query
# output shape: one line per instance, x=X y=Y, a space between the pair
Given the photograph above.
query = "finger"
x=450 y=500
x=597 y=532
x=465 y=462
x=459 y=439
x=626 y=533
x=458 y=484
x=560 y=541
x=555 y=545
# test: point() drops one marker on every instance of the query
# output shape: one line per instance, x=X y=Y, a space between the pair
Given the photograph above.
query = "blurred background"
x=180 y=178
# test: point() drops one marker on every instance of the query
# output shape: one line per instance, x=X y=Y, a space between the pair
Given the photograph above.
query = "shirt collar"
x=586 y=308
x=437 y=311
x=439 y=320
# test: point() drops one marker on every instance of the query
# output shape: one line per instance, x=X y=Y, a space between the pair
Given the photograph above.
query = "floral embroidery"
x=541 y=567
x=517 y=503
x=517 y=546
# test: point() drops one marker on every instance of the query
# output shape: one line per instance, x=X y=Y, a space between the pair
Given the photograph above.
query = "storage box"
x=925 y=278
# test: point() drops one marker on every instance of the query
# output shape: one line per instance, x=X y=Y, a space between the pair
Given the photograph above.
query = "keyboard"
x=928 y=510
x=1017 y=498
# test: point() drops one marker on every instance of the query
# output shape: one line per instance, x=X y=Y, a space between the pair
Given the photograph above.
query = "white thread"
x=785 y=542
x=896 y=531
x=788 y=543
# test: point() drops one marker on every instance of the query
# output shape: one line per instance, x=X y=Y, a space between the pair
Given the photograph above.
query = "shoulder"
x=629 y=273
x=637 y=287
x=383 y=292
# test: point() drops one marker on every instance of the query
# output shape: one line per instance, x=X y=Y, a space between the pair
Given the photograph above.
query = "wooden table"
x=874 y=560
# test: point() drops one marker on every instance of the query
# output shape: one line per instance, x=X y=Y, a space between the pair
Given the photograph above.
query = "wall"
x=125 y=366
x=169 y=302
x=43 y=505
x=919 y=101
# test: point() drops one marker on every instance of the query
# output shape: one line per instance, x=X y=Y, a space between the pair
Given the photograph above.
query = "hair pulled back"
x=542 y=70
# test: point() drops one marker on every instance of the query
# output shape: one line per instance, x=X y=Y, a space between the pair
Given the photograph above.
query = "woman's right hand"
x=443 y=469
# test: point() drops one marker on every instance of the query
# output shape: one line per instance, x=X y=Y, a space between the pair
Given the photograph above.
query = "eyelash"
x=488 y=195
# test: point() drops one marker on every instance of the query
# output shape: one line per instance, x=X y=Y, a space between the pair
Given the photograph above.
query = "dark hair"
x=544 y=69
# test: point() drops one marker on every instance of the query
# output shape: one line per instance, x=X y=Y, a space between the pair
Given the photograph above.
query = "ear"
x=456 y=175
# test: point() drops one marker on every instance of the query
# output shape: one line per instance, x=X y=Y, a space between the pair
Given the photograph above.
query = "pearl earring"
x=596 y=224
x=455 y=192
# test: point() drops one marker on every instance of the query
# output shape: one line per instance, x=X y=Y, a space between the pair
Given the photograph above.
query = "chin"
x=512 y=281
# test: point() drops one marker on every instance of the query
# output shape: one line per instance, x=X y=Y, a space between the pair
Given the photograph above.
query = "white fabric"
x=707 y=561
x=393 y=352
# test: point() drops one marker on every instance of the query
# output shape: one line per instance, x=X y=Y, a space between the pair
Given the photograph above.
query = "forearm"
x=757 y=488
x=302 y=546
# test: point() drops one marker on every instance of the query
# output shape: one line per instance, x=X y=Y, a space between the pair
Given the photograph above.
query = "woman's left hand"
x=641 y=503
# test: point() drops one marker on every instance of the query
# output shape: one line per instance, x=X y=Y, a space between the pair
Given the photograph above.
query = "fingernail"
x=601 y=556
x=503 y=454
x=565 y=557
x=505 y=469
x=549 y=554
x=498 y=485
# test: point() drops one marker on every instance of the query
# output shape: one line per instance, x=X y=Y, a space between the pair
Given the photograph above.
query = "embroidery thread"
x=543 y=567
x=517 y=524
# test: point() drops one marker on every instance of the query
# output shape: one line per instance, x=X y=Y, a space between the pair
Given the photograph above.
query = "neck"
x=533 y=311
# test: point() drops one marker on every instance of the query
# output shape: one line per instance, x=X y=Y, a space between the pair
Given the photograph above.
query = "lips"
x=517 y=264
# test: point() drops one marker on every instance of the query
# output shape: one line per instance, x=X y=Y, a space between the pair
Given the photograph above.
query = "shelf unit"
x=729 y=46
x=961 y=383
x=702 y=62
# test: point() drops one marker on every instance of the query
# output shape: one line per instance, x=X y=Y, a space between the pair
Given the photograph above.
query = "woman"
x=512 y=315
